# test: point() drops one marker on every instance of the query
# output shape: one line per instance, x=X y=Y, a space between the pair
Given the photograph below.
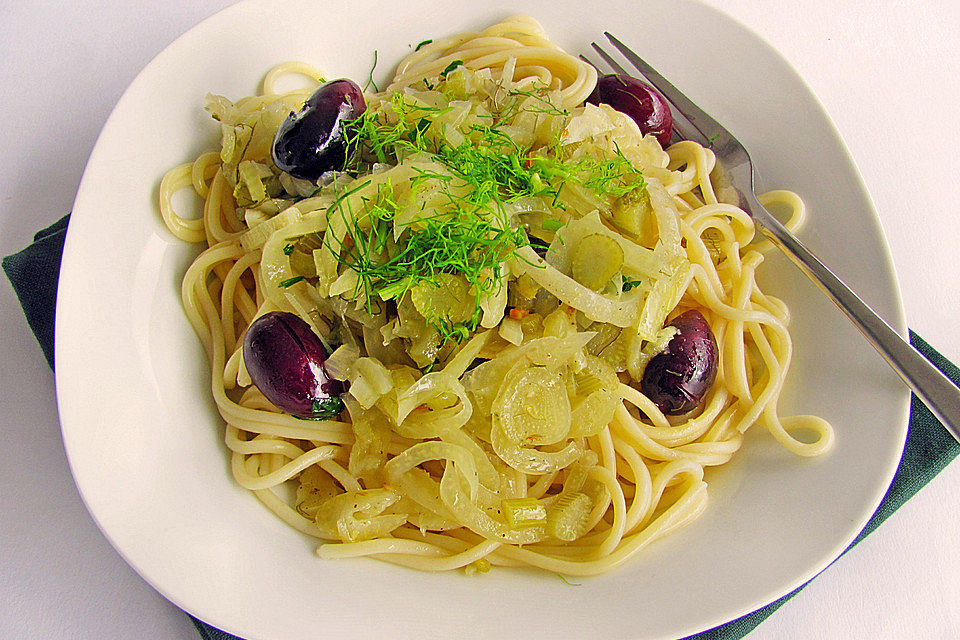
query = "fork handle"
x=936 y=391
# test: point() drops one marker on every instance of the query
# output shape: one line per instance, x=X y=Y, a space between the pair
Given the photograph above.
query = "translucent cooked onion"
x=530 y=460
x=637 y=260
x=422 y=452
x=484 y=381
x=257 y=236
x=620 y=312
x=369 y=381
x=494 y=299
x=371 y=431
x=415 y=420
x=316 y=487
x=595 y=385
x=356 y=515
x=476 y=519
x=532 y=407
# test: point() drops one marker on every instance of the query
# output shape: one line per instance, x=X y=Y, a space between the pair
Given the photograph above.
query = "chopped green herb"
x=288 y=249
x=470 y=234
x=325 y=409
x=450 y=67
x=423 y=44
x=629 y=284
x=457 y=332
x=289 y=282
x=541 y=103
x=370 y=81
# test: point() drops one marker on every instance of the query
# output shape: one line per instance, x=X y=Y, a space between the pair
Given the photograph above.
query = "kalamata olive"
x=285 y=359
x=313 y=140
x=678 y=378
x=638 y=100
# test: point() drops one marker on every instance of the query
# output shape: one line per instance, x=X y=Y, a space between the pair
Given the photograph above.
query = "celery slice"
x=567 y=520
x=521 y=513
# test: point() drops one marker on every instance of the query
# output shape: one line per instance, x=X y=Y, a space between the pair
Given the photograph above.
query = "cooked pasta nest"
x=491 y=273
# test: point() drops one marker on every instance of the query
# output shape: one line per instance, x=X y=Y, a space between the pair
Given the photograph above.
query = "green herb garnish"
x=288 y=249
x=370 y=81
x=325 y=409
x=422 y=44
x=466 y=230
x=289 y=282
x=629 y=284
x=450 y=67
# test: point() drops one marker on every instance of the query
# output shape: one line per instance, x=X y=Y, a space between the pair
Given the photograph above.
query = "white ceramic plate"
x=144 y=441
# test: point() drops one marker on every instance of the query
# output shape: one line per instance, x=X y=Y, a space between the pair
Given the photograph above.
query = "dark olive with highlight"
x=314 y=140
x=285 y=360
x=678 y=378
x=638 y=100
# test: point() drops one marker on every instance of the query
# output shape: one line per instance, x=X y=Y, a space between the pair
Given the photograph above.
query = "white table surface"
x=887 y=72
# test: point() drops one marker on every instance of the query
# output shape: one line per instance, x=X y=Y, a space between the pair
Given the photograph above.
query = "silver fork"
x=940 y=395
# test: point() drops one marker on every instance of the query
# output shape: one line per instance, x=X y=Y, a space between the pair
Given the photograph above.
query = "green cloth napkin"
x=930 y=447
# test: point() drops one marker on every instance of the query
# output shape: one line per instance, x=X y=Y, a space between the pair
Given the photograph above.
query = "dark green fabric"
x=930 y=447
x=34 y=273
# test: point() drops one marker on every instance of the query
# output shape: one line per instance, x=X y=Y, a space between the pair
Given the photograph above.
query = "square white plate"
x=145 y=442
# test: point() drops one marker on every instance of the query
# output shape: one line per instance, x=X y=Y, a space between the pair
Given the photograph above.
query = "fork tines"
x=690 y=122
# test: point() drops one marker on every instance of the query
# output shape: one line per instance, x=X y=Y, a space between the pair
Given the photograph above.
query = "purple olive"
x=285 y=359
x=678 y=378
x=638 y=100
x=313 y=140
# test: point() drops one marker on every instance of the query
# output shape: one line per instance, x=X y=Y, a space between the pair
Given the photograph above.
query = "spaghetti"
x=493 y=414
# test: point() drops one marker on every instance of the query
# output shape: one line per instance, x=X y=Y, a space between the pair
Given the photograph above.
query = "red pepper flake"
x=518 y=314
